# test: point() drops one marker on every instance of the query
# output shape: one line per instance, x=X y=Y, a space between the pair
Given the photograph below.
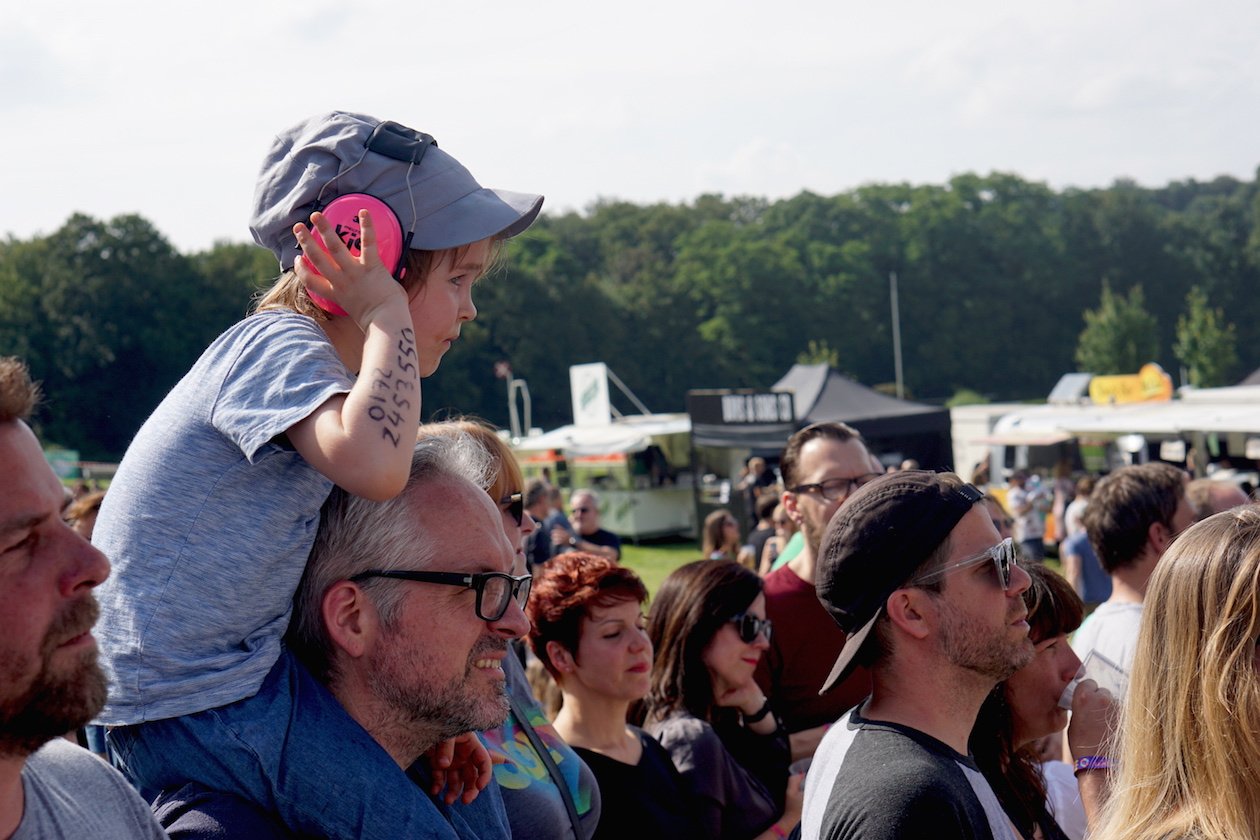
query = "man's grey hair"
x=594 y=497
x=356 y=535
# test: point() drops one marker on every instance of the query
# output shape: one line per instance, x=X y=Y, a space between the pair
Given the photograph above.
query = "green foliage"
x=109 y=316
x=966 y=396
x=1119 y=336
x=993 y=274
x=1205 y=343
x=818 y=353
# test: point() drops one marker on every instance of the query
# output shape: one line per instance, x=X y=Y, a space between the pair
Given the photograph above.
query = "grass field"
x=654 y=560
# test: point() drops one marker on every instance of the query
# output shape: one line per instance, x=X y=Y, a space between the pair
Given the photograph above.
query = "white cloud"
x=165 y=109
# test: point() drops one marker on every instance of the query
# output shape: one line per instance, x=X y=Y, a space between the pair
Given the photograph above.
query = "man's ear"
x=1158 y=537
x=912 y=611
x=788 y=499
x=560 y=657
x=350 y=617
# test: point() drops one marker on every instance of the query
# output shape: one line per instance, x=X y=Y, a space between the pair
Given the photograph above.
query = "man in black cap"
x=929 y=597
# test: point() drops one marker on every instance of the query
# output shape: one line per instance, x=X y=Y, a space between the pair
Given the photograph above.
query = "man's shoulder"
x=192 y=812
x=59 y=759
x=1112 y=630
x=890 y=752
x=603 y=536
x=785 y=582
x=890 y=781
x=1111 y=615
x=69 y=788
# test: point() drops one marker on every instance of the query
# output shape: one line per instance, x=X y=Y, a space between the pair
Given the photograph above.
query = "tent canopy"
x=823 y=393
x=888 y=424
x=624 y=435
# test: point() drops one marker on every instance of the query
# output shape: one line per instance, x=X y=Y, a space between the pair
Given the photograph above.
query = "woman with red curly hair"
x=589 y=632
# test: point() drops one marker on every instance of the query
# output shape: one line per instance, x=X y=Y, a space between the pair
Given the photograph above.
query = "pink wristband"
x=779 y=832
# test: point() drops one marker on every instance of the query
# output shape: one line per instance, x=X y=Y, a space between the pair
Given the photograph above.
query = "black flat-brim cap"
x=876 y=542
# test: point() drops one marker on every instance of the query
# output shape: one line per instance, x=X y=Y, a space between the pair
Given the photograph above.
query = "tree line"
x=1004 y=284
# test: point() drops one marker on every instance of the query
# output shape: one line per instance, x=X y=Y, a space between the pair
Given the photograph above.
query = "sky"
x=166 y=108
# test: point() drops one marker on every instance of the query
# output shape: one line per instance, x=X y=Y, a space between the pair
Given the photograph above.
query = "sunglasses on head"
x=1005 y=557
x=750 y=627
x=514 y=504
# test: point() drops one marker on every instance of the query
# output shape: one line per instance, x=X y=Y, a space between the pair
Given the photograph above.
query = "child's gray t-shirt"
x=209 y=521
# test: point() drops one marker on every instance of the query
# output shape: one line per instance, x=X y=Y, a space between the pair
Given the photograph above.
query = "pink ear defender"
x=343 y=214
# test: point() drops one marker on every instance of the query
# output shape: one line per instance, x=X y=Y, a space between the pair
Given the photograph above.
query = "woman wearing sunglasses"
x=709 y=629
x=548 y=790
x=588 y=631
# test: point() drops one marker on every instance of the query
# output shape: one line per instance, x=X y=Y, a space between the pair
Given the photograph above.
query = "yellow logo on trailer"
x=1150 y=384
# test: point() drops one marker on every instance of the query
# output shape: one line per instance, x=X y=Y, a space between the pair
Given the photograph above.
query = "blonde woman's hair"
x=1190 y=730
x=287 y=292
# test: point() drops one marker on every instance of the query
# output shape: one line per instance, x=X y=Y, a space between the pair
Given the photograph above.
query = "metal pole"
x=896 y=327
x=514 y=422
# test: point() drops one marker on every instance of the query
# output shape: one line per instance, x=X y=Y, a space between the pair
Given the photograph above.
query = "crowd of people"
x=317 y=616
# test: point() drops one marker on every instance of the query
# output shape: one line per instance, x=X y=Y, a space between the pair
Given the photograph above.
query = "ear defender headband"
x=393 y=141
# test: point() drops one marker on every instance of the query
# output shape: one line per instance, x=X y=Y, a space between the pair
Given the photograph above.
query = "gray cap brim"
x=484 y=214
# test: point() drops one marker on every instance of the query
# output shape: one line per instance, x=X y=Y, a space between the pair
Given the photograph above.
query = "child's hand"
x=362 y=285
x=463 y=766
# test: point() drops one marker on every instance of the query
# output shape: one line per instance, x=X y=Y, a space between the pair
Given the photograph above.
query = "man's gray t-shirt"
x=71 y=793
x=882 y=781
x=209 y=521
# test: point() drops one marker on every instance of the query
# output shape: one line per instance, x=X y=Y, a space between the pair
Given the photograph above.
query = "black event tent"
x=888 y=424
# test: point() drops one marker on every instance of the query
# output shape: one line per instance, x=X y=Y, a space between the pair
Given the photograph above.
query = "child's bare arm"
x=363 y=440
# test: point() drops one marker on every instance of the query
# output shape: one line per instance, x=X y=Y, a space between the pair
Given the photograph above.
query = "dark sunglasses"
x=514 y=504
x=1005 y=557
x=750 y=627
x=495 y=590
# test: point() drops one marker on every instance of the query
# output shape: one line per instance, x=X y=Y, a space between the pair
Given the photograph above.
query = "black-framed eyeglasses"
x=514 y=504
x=836 y=488
x=495 y=590
x=750 y=627
x=1005 y=557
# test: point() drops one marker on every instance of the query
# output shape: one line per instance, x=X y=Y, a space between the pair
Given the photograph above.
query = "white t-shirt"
x=1112 y=630
x=1063 y=798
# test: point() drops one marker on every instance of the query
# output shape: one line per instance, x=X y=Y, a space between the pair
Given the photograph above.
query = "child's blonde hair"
x=287 y=292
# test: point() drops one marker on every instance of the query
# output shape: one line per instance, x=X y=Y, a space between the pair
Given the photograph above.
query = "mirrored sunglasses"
x=1005 y=557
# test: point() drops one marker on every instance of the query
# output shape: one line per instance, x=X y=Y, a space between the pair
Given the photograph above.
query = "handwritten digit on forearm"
x=386 y=380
